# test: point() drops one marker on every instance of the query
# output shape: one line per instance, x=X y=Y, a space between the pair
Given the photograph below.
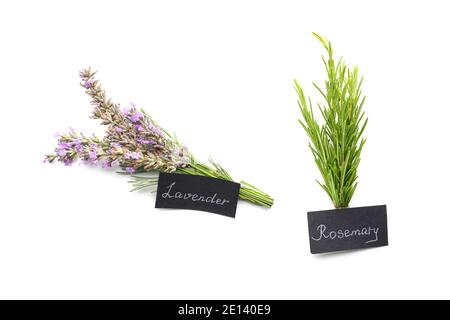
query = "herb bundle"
x=138 y=145
x=336 y=144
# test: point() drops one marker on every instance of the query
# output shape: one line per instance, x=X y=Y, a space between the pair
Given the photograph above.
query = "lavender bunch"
x=135 y=143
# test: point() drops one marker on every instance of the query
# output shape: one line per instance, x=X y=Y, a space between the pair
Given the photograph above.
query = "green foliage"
x=336 y=144
x=212 y=169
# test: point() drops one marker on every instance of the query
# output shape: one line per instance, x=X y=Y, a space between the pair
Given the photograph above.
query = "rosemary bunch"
x=336 y=144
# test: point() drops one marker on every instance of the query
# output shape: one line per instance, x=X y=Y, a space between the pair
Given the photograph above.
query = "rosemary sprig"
x=336 y=144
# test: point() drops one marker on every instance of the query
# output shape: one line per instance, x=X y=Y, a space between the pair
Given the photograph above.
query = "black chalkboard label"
x=183 y=191
x=346 y=229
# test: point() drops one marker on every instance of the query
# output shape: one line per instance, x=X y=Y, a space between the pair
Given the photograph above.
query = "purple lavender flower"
x=132 y=156
x=87 y=84
x=136 y=117
x=156 y=129
x=63 y=145
x=130 y=169
x=106 y=165
x=146 y=141
x=76 y=142
x=135 y=156
x=93 y=156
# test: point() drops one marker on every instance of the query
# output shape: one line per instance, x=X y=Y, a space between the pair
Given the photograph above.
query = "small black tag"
x=346 y=229
x=183 y=191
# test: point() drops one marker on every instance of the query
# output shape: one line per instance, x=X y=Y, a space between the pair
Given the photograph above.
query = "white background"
x=221 y=74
